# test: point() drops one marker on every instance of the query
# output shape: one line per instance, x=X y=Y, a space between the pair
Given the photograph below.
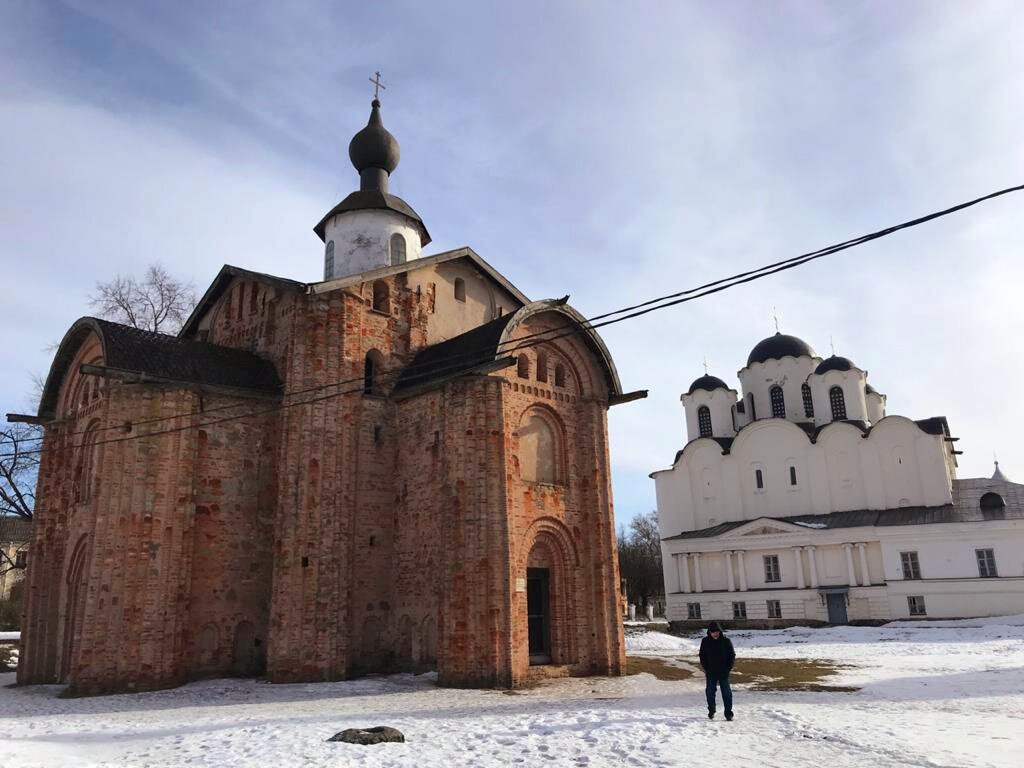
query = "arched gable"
x=85 y=332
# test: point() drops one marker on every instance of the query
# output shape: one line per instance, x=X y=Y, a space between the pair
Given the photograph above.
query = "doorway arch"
x=74 y=604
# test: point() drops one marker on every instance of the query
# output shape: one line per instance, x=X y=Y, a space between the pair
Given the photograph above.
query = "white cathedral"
x=801 y=500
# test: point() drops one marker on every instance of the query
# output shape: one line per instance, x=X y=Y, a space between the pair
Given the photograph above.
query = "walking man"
x=716 y=659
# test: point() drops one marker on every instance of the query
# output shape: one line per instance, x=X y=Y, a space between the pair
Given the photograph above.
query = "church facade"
x=799 y=499
x=401 y=467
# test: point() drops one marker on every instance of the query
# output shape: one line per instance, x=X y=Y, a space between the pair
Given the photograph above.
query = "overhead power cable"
x=626 y=313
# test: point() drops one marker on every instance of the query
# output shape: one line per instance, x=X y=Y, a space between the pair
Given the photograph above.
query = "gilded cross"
x=377 y=85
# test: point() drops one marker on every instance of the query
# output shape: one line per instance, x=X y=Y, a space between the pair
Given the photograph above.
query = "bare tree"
x=157 y=302
x=640 y=559
x=19 y=466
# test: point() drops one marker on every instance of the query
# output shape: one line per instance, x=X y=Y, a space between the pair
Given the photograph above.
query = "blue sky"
x=608 y=150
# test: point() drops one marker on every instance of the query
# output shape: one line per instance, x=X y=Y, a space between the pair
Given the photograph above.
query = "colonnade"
x=689 y=586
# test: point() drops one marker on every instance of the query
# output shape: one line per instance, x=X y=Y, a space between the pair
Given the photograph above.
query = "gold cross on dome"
x=377 y=85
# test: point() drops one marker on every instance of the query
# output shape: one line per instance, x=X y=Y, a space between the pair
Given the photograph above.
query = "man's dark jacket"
x=716 y=656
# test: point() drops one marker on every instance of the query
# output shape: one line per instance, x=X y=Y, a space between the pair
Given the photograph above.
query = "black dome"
x=778 y=346
x=374 y=147
x=708 y=383
x=834 y=363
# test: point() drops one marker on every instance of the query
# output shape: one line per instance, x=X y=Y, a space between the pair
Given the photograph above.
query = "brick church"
x=401 y=467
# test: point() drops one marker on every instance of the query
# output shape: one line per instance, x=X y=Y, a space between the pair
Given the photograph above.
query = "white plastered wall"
x=362 y=240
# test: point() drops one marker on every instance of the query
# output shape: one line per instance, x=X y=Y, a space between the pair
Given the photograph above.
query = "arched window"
x=542 y=366
x=759 y=479
x=778 y=403
x=808 y=401
x=753 y=411
x=329 y=261
x=704 y=421
x=372 y=369
x=559 y=375
x=460 y=289
x=253 y=296
x=87 y=463
x=240 y=290
x=523 y=367
x=538 y=450
x=397 y=249
x=835 y=397
x=792 y=475
x=381 y=297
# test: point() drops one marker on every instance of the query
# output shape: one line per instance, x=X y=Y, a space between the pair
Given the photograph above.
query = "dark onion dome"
x=707 y=383
x=374 y=146
x=779 y=346
x=834 y=363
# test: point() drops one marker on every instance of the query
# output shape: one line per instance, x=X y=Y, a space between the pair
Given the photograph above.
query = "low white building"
x=801 y=500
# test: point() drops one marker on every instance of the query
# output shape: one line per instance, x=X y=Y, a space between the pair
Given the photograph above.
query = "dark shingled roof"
x=160 y=356
x=834 y=363
x=456 y=355
x=364 y=200
x=778 y=346
x=15 y=529
x=708 y=383
x=859 y=518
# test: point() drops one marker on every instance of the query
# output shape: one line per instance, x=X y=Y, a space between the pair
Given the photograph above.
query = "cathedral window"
x=559 y=375
x=753 y=411
x=704 y=421
x=542 y=366
x=460 y=289
x=792 y=475
x=838 y=401
x=778 y=403
x=397 y=250
x=329 y=261
x=523 y=367
x=86 y=463
x=381 y=297
x=759 y=479
x=372 y=369
x=808 y=401
x=538 y=450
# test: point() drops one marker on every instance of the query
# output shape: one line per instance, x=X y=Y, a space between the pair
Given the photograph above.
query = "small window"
x=772 y=574
x=792 y=475
x=704 y=421
x=916 y=605
x=241 y=301
x=381 y=297
x=693 y=610
x=559 y=375
x=499 y=312
x=542 y=366
x=739 y=610
x=759 y=479
x=372 y=369
x=397 y=250
x=20 y=559
x=523 y=367
x=460 y=289
x=753 y=411
x=805 y=390
x=253 y=298
x=774 y=609
x=329 y=261
x=986 y=563
x=910 y=564
x=778 y=403
x=838 y=402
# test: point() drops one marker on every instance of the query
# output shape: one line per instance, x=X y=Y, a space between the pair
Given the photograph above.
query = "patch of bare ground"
x=661 y=668
x=788 y=675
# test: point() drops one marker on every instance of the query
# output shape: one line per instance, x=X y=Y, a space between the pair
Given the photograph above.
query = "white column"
x=848 y=549
x=812 y=559
x=865 y=577
x=696 y=573
x=729 y=578
x=799 y=563
x=743 y=570
x=683 y=572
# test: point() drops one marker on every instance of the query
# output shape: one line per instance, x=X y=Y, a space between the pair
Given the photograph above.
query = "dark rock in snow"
x=376 y=735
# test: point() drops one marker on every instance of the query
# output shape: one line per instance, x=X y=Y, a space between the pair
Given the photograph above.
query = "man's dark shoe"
x=728 y=716
x=711 y=714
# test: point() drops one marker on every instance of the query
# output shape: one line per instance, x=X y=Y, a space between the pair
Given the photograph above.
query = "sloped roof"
x=222 y=281
x=160 y=356
x=374 y=199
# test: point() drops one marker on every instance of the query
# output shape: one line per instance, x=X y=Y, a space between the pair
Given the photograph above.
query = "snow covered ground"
x=10 y=636
x=939 y=695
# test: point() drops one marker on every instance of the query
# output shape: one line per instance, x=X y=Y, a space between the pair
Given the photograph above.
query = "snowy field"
x=949 y=694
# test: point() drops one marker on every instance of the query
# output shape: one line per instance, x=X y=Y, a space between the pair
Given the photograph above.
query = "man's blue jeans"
x=716 y=681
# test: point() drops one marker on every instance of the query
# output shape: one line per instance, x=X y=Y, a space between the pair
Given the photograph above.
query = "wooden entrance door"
x=538 y=614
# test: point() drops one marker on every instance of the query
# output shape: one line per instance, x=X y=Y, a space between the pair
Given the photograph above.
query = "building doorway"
x=836 y=603
x=538 y=614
